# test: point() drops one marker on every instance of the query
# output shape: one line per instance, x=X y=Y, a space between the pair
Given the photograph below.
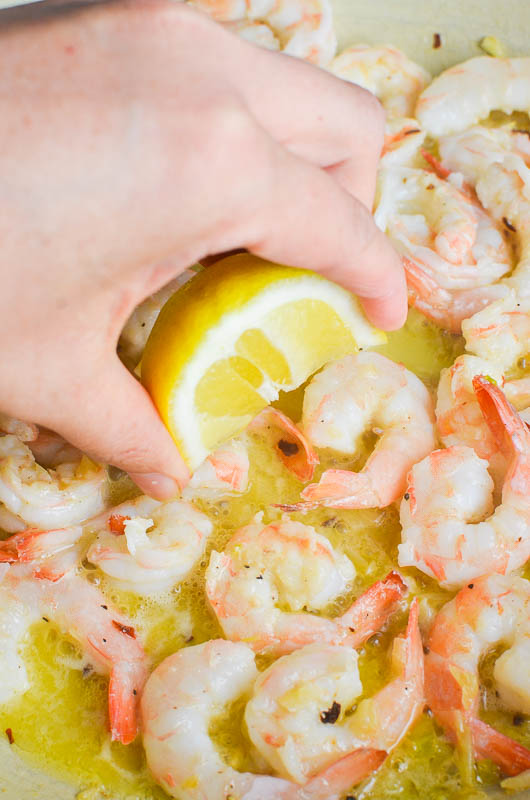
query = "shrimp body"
x=108 y=639
x=467 y=93
x=364 y=392
x=180 y=698
x=386 y=72
x=493 y=609
x=255 y=32
x=500 y=333
x=147 y=546
x=224 y=472
x=403 y=141
x=449 y=531
x=296 y=715
x=25 y=431
x=288 y=564
x=49 y=499
x=304 y=28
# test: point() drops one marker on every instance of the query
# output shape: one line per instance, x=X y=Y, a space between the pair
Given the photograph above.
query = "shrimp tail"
x=343 y=774
x=509 y=430
x=508 y=754
x=341 y=488
x=126 y=683
x=371 y=610
x=292 y=447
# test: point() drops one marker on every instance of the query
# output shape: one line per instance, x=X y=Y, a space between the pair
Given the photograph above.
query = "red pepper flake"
x=126 y=629
x=436 y=41
x=116 y=524
x=10 y=737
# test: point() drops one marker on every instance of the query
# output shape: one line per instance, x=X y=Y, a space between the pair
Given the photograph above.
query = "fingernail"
x=156 y=485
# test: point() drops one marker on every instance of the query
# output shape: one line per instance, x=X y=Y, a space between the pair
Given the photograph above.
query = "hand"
x=136 y=138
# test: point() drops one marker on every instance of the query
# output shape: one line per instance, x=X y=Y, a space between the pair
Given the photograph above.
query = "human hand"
x=138 y=137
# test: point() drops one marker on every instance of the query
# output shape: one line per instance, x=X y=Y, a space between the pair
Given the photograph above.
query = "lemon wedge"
x=237 y=334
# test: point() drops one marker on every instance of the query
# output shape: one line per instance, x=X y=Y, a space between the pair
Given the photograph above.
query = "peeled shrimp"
x=501 y=332
x=180 y=699
x=255 y=32
x=50 y=588
x=266 y=568
x=304 y=28
x=147 y=546
x=467 y=93
x=25 y=431
x=49 y=498
x=363 y=392
x=386 y=72
x=403 y=144
x=453 y=251
x=491 y=610
x=449 y=531
x=224 y=472
x=298 y=718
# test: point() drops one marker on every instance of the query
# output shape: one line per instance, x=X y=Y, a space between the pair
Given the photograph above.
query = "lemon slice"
x=237 y=334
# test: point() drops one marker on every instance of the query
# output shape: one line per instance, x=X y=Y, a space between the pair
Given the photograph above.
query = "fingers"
x=303 y=217
x=111 y=417
x=324 y=120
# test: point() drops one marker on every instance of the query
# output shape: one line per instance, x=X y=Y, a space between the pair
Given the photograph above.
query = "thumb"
x=113 y=419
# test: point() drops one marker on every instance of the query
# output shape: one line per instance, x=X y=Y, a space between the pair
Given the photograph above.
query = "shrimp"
x=459 y=418
x=403 y=143
x=298 y=719
x=49 y=499
x=490 y=610
x=453 y=250
x=180 y=699
x=255 y=32
x=386 y=72
x=304 y=28
x=25 y=431
x=500 y=333
x=136 y=330
x=224 y=472
x=147 y=546
x=289 y=564
x=452 y=103
x=49 y=589
x=292 y=447
x=448 y=529
x=50 y=450
x=360 y=392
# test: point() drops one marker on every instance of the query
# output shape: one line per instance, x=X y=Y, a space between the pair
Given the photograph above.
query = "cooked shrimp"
x=501 y=332
x=491 y=610
x=459 y=418
x=292 y=446
x=106 y=636
x=49 y=498
x=304 y=28
x=50 y=450
x=298 y=719
x=25 y=431
x=450 y=244
x=267 y=568
x=449 y=531
x=386 y=72
x=363 y=392
x=224 y=472
x=140 y=324
x=256 y=32
x=33 y=543
x=181 y=698
x=403 y=142
x=147 y=546
x=452 y=103
x=466 y=155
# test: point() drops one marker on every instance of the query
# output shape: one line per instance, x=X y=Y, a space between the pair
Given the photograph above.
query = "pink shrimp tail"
x=371 y=610
x=508 y=754
x=293 y=448
x=510 y=431
x=341 y=488
x=342 y=775
x=126 y=683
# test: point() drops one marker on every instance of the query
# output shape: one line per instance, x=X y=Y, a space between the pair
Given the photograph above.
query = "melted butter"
x=60 y=725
